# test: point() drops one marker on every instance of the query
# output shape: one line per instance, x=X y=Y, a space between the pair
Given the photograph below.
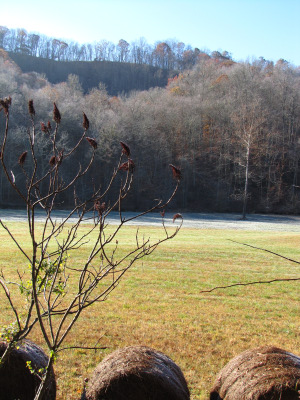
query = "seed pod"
x=31 y=108
x=44 y=128
x=126 y=149
x=176 y=216
x=56 y=114
x=22 y=158
x=92 y=142
x=99 y=207
x=86 y=122
x=176 y=172
x=127 y=166
x=5 y=104
x=52 y=161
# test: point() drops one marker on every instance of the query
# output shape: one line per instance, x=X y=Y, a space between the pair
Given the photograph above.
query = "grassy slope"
x=159 y=303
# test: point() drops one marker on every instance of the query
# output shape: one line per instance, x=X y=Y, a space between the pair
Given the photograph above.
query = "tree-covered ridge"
x=233 y=129
x=169 y=54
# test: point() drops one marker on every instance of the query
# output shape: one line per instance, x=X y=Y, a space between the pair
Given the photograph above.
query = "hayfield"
x=161 y=302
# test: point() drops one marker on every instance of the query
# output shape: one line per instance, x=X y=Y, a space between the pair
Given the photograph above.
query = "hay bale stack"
x=137 y=373
x=264 y=373
x=16 y=380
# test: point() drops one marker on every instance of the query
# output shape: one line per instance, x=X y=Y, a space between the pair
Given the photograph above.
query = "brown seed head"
x=56 y=114
x=52 y=161
x=176 y=172
x=5 y=105
x=92 y=142
x=125 y=149
x=49 y=126
x=99 y=207
x=22 y=158
x=44 y=128
x=127 y=166
x=176 y=216
x=86 y=122
x=31 y=108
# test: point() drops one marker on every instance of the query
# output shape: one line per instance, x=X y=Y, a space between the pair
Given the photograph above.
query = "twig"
x=249 y=283
x=82 y=348
x=266 y=250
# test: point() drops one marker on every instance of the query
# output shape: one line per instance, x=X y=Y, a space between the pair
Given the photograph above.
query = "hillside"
x=232 y=128
x=117 y=77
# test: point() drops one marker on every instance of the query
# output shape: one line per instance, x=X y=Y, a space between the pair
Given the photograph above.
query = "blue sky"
x=244 y=28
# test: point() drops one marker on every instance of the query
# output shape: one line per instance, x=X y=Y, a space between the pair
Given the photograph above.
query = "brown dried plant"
x=56 y=114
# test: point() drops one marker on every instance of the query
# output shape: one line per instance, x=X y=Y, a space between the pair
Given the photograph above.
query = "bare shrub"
x=264 y=373
x=137 y=373
x=51 y=170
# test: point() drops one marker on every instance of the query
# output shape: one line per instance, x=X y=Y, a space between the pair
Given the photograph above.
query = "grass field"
x=160 y=303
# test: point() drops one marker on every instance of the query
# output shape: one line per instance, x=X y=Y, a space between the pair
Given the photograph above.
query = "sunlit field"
x=161 y=302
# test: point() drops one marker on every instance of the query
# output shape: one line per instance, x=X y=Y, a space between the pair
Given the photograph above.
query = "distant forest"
x=121 y=67
x=233 y=128
x=170 y=54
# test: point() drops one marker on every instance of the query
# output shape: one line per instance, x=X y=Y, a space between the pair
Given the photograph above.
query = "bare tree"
x=123 y=50
x=3 y=32
x=52 y=302
x=248 y=117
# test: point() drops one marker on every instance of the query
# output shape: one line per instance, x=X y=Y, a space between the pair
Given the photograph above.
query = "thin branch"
x=7 y=293
x=256 y=282
x=14 y=239
x=249 y=283
x=82 y=348
x=267 y=251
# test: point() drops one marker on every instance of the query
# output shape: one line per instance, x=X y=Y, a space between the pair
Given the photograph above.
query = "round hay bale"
x=137 y=373
x=16 y=380
x=264 y=373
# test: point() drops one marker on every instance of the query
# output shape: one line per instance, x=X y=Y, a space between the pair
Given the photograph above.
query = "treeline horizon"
x=169 y=54
x=232 y=128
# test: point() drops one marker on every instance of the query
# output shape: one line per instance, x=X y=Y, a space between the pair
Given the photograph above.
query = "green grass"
x=160 y=303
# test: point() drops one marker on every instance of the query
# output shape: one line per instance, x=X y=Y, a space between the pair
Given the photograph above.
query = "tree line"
x=233 y=130
x=169 y=54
